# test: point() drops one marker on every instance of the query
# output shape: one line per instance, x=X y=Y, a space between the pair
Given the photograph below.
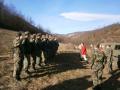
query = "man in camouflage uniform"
x=56 y=45
x=109 y=54
x=44 y=43
x=50 y=46
x=38 y=42
x=97 y=66
x=33 y=50
x=18 y=56
x=26 y=50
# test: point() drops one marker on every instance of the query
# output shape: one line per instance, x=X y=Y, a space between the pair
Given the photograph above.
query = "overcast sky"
x=67 y=16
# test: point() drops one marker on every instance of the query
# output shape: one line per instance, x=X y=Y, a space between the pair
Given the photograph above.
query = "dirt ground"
x=64 y=72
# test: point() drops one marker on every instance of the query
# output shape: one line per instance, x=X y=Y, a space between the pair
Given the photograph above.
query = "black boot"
x=18 y=78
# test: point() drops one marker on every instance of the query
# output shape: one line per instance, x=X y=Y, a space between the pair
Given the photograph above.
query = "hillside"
x=12 y=19
x=109 y=33
x=6 y=39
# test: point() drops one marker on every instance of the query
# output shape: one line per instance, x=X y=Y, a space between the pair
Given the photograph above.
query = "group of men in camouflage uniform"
x=100 y=57
x=33 y=49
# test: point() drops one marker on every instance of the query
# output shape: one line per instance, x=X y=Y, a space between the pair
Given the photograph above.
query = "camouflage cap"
x=18 y=34
x=33 y=35
x=43 y=36
x=39 y=34
x=47 y=36
x=27 y=33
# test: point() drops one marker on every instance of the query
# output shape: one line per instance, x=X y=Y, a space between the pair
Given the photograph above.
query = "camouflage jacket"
x=32 y=46
x=98 y=57
x=38 y=46
x=109 y=52
x=17 y=46
x=26 y=46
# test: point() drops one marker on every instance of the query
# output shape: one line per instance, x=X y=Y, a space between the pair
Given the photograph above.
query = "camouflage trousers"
x=18 y=65
x=109 y=64
x=33 y=58
x=50 y=55
x=39 y=59
x=27 y=62
x=97 y=72
x=44 y=57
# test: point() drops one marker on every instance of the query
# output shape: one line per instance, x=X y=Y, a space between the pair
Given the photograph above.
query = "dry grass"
x=65 y=72
x=67 y=47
